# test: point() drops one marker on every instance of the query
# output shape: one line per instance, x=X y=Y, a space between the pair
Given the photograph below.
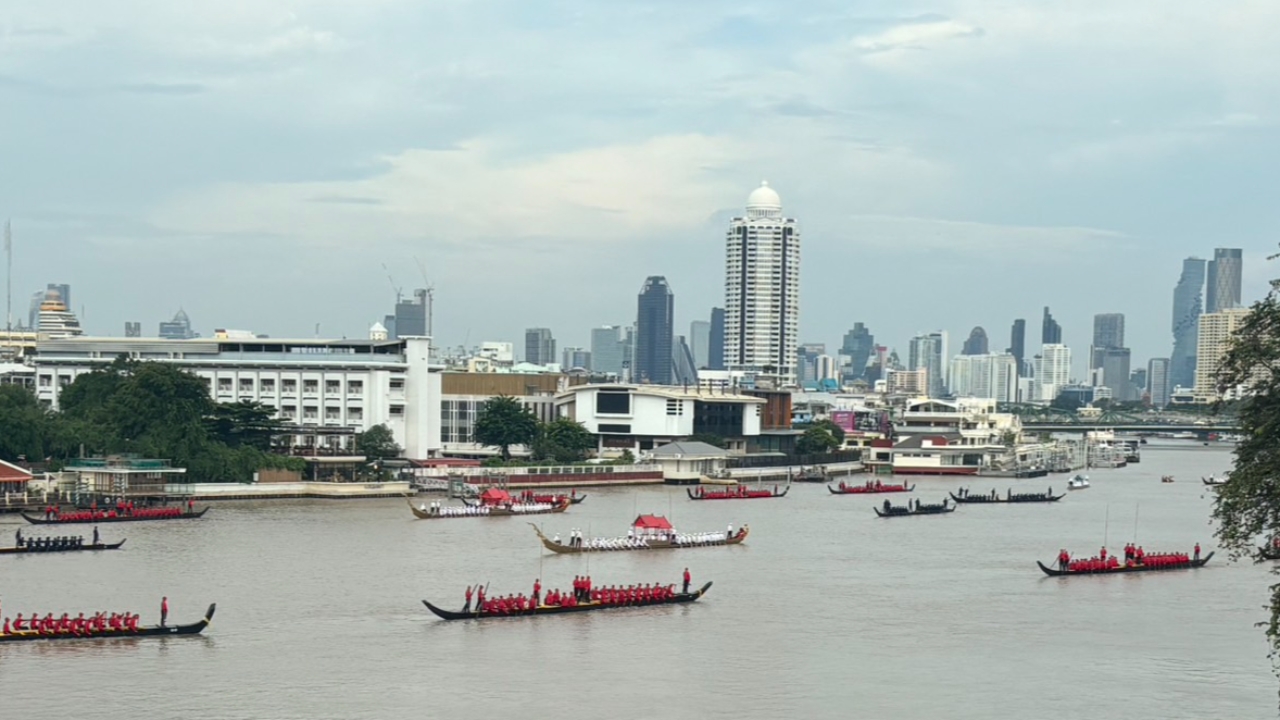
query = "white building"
x=641 y=417
x=1211 y=343
x=907 y=382
x=993 y=376
x=762 y=290
x=55 y=319
x=309 y=383
x=928 y=352
x=1053 y=371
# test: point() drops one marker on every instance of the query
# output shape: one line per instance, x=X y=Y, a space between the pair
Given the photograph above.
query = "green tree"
x=562 y=440
x=1248 y=507
x=816 y=440
x=830 y=426
x=503 y=422
x=377 y=442
x=244 y=423
x=24 y=425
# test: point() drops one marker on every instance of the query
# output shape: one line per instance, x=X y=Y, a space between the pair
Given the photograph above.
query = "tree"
x=244 y=423
x=1248 y=507
x=830 y=426
x=816 y=440
x=24 y=425
x=502 y=422
x=562 y=440
x=377 y=442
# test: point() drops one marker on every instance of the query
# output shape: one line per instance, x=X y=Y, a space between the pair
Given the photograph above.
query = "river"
x=825 y=612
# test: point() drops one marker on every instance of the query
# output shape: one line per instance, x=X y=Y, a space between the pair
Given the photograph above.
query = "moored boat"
x=1190 y=564
x=676 y=598
x=670 y=540
x=438 y=511
x=1079 y=482
x=37 y=547
x=99 y=516
x=149 y=631
x=811 y=475
x=1009 y=497
x=869 y=488
x=919 y=508
x=740 y=492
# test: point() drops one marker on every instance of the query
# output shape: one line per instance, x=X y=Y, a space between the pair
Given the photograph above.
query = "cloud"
x=916 y=36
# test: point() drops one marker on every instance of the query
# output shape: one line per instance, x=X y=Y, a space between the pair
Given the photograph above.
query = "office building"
x=1215 y=331
x=655 y=321
x=1113 y=366
x=607 y=350
x=410 y=319
x=1108 y=332
x=700 y=343
x=1186 y=323
x=928 y=352
x=1018 y=344
x=179 y=328
x=1222 y=287
x=132 y=329
x=806 y=359
x=575 y=358
x=993 y=376
x=539 y=346
x=1158 y=382
x=1052 y=371
x=976 y=344
x=858 y=346
x=762 y=290
x=1050 y=330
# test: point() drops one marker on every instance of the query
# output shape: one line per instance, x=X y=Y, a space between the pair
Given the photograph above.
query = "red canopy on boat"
x=495 y=495
x=652 y=522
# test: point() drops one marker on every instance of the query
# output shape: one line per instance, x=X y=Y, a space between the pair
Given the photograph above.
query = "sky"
x=278 y=165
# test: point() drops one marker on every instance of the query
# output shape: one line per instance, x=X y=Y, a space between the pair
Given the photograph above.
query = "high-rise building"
x=1158 y=381
x=539 y=346
x=715 y=349
x=858 y=345
x=985 y=376
x=655 y=317
x=179 y=328
x=976 y=344
x=1108 y=332
x=700 y=343
x=762 y=289
x=575 y=357
x=682 y=362
x=1053 y=371
x=410 y=319
x=806 y=361
x=1215 y=330
x=607 y=350
x=928 y=352
x=1113 y=363
x=1186 y=323
x=1050 y=330
x=55 y=319
x=38 y=298
x=132 y=329
x=1222 y=290
x=1018 y=344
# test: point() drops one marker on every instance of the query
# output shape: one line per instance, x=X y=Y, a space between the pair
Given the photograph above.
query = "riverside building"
x=323 y=389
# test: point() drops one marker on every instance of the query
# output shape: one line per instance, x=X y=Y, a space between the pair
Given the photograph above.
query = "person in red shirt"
x=467 y=606
x=164 y=610
x=537 y=591
x=686 y=581
x=1197 y=551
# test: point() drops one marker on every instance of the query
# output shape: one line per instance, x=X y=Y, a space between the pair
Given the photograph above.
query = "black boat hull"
x=677 y=599
x=194 y=628
x=900 y=489
x=926 y=511
x=987 y=499
x=774 y=494
x=1191 y=565
x=38 y=520
x=28 y=549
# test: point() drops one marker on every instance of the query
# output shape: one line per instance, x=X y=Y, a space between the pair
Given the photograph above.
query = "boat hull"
x=493 y=512
x=863 y=490
x=1190 y=565
x=926 y=511
x=38 y=520
x=731 y=496
x=27 y=549
x=150 y=631
x=677 y=599
x=562 y=549
x=988 y=500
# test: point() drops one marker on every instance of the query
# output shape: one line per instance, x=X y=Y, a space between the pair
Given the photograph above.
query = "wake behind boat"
x=1010 y=497
x=648 y=532
x=741 y=492
x=437 y=510
x=93 y=629
x=869 y=488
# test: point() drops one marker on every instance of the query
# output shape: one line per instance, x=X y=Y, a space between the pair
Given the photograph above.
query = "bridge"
x=1201 y=431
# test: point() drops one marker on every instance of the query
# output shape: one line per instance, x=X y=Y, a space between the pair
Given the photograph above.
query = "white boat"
x=1214 y=480
x=1079 y=482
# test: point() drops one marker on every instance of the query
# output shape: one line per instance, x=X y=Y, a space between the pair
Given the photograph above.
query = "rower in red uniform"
x=164 y=610
x=686 y=581
x=1103 y=555
x=537 y=591
x=1197 y=551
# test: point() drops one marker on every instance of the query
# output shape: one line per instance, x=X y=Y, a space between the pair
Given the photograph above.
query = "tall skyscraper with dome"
x=762 y=291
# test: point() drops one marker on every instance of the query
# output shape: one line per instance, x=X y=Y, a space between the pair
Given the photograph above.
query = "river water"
x=825 y=612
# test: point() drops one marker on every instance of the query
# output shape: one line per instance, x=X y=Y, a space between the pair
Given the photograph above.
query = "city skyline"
x=504 y=169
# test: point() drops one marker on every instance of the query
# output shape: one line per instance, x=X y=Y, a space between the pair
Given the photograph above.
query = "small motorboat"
x=1166 y=478
x=1214 y=481
x=1079 y=482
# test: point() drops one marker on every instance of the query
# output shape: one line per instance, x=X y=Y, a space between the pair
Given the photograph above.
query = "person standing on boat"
x=687 y=578
x=537 y=591
x=467 y=606
x=17 y=537
x=164 y=610
x=1103 y=554
x=95 y=534
x=1197 y=551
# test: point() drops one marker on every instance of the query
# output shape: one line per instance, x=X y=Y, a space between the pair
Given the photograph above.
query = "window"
x=613 y=402
x=267 y=385
x=246 y=385
x=333 y=386
x=355 y=413
x=397 y=409
x=397 y=383
x=64 y=380
x=675 y=407
x=46 y=380
x=310 y=412
x=289 y=412
x=608 y=428
x=224 y=385
x=355 y=387
x=332 y=413
x=289 y=386
x=310 y=386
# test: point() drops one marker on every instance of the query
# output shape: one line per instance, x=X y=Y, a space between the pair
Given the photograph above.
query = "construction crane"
x=399 y=290
x=431 y=294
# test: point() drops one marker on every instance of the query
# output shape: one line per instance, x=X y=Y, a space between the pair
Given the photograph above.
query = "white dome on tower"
x=764 y=202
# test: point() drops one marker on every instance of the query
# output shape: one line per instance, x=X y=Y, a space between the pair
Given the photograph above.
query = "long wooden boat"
x=28 y=548
x=573 y=499
x=1213 y=481
x=493 y=511
x=900 y=511
x=41 y=520
x=736 y=495
x=650 y=544
x=873 y=490
x=149 y=631
x=1011 y=498
x=677 y=599
x=1189 y=565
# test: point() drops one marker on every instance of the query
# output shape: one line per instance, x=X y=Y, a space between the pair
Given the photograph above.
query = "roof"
x=652 y=522
x=675 y=392
x=688 y=449
x=10 y=473
x=495 y=494
x=935 y=439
